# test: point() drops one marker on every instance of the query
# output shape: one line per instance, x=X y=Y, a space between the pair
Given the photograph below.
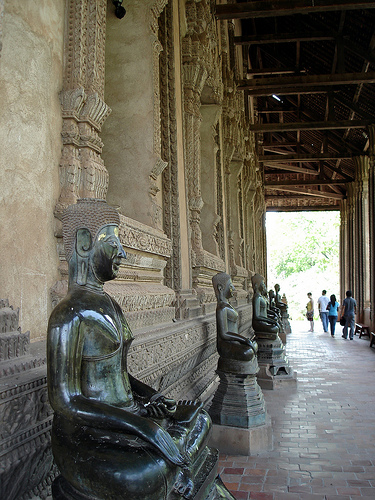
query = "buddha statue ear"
x=83 y=248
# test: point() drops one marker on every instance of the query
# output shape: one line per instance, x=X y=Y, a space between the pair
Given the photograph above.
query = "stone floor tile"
x=241 y=495
x=261 y=496
x=349 y=491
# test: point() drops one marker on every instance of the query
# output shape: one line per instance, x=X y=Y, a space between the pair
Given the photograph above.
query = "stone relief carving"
x=171 y=211
x=141 y=237
x=82 y=171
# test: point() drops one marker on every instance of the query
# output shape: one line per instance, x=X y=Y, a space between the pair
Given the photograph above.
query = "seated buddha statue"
x=234 y=349
x=113 y=437
x=264 y=325
x=278 y=300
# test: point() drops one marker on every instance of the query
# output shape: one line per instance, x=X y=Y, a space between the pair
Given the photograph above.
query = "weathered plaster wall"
x=30 y=145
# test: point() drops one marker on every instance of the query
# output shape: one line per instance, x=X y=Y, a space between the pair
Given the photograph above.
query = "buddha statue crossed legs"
x=113 y=437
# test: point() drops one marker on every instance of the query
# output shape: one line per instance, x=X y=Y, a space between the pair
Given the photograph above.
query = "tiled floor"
x=323 y=430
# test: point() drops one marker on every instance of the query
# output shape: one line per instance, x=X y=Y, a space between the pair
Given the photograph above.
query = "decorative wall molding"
x=138 y=236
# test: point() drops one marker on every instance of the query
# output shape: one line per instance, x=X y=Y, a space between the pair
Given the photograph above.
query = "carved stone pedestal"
x=25 y=414
x=286 y=324
x=240 y=441
x=238 y=412
x=282 y=336
x=274 y=368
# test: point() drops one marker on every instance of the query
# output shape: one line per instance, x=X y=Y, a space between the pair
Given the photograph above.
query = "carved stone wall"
x=25 y=414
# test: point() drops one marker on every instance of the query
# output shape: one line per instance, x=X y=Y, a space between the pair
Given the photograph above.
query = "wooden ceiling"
x=310 y=74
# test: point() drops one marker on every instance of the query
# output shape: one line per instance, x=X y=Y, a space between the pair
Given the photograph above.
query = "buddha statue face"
x=107 y=253
x=229 y=289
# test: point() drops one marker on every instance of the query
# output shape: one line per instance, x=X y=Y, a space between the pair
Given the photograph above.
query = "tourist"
x=310 y=311
x=323 y=313
x=332 y=311
x=350 y=310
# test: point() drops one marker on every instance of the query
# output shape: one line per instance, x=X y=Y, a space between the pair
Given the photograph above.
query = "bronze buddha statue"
x=264 y=325
x=235 y=350
x=113 y=437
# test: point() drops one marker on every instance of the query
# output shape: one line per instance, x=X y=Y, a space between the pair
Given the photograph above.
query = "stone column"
x=362 y=238
x=344 y=253
x=351 y=261
x=371 y=133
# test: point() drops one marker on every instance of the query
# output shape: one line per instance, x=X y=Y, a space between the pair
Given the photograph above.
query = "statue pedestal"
x=240 y=422
x=282 y=336
x=240 y=441
x=268 y=381
x=274 y=369
x=286 y=323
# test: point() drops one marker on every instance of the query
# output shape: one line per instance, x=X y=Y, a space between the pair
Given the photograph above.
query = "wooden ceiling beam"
x=276 y=8
x=272 y=71
x=286 y=144
x=290 y=127
x=300 y=158
x=308 y=192
x=261 y=92
x=269 y=38
x=292 y=168
x=309 y=182
x=335 y=139
x=287 y=82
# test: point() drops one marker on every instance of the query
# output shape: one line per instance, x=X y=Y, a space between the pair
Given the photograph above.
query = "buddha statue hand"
x=159 y=406
x=253 y=345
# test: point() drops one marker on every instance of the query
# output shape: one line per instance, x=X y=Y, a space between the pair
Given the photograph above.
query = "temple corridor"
x=323 y=431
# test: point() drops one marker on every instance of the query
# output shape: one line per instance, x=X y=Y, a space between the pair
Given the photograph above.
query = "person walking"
x=323 y=313
x=332 y=310
x=310 y=311
x=350 y=310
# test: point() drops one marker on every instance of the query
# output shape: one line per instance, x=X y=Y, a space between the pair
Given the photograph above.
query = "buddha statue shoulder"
x=113 y=436
x=263 y=324
x=235 y=350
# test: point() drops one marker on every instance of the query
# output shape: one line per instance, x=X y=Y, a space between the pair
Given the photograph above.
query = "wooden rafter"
x=308 y=192
x=275 y=8
x=292 y=168
x=309 y=182
x=307 y=157
x=310 y=81
x=322 y=125
x=268 y=38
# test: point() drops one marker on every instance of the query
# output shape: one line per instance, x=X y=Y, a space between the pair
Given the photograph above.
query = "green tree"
x=303 y=255
x=306 y=241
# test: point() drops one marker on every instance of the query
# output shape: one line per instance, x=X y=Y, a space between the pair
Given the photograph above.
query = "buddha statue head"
x=223 y=286
x=257 y=282
x=91 y=240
